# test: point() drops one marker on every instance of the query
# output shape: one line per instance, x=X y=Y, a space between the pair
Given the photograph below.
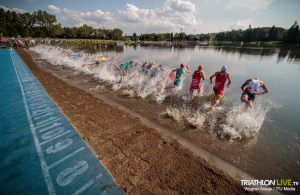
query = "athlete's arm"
x=212 y=76
x=155 y=65
x=203 y=75
x=117 y=67
x=263 y=85
x=175 y=70
x=188 y=69
x=229 y=80
x=246 y=82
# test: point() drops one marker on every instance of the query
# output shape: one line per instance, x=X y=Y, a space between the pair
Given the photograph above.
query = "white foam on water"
x=241 y=123
x=142 y=85
x=98 y=88
x=173 y=113
x=231 y=121
x=196 y=119
x=130 y=93
x=226 y=120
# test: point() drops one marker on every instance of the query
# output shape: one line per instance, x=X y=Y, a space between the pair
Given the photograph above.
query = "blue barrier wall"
x=41 y=153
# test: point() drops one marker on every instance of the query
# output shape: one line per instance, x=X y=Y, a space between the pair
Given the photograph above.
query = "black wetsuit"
x=97 y=62
x=146 y=69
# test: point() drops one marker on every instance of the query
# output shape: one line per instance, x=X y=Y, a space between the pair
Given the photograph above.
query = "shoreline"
x=140 y=159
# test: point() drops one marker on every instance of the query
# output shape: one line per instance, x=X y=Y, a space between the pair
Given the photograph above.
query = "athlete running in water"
x=250 y=92
x=95 y=62
x=157 y=70
x=111 y=61
x=168 y=78
x=197 y=76
x=146 y=67
x=179 y=74
x=221 y=78
x=125 y=67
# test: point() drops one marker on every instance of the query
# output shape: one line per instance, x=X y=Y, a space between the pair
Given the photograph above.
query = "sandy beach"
x=140 y=159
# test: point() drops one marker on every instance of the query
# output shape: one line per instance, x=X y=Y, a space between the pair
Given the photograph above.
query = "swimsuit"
x=251 y=89
x=154 y=73
x=196 y=81
x=123 y=66
x=251 y=94
x=145 y=69
x=220 y=84
x=126 y=66
x=97 y=62
x=179 y=75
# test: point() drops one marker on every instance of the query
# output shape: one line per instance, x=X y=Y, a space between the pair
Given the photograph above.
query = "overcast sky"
x=156 y=16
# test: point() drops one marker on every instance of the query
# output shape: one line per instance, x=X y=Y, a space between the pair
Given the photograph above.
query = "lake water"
x=270 y=130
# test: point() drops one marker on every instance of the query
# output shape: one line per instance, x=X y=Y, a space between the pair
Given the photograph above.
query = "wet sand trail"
x=139 y=158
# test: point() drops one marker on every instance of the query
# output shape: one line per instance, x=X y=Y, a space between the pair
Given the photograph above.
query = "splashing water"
x=241 y=124
x=225 y=121
x=173 y=113
x=130 y=93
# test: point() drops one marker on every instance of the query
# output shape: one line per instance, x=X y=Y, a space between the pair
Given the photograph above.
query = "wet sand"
x=139 y=157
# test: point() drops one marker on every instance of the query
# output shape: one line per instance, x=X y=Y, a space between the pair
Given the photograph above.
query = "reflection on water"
x=292 y=53
x=271 y=128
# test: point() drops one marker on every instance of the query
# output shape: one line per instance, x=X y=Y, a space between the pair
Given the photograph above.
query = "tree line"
x=42 y=24
x=291 y=35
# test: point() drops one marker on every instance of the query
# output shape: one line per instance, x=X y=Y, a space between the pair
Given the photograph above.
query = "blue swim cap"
x=160 y=66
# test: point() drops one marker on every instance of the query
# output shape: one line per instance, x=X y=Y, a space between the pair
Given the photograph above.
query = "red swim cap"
x=182 y=65
x=200 y=67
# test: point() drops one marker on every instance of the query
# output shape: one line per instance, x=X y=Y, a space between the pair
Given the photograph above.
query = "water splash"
x=229 y=121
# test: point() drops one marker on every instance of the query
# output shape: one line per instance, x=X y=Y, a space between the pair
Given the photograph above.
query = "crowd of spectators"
x=12 y=42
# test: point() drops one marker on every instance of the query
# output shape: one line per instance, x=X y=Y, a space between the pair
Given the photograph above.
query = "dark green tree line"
x=43 y=24
x=273 y=33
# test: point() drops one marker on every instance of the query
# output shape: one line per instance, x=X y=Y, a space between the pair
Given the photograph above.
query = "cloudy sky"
x=199 y=16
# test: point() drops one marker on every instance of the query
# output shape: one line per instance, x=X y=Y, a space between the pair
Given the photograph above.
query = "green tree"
x=271 y=33
x=181 y=36
x=291 y=33
x=117 y=33
x=8 y=19
x=45 y=21
x=15 y=24
x=56 y=30
x=295 y=33
x=3 y=22
x=84 y=31
x=253 y=35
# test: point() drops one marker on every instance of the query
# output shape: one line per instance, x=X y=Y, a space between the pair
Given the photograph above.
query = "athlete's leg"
x=216 y=102
x=134 y=75
x=87 y=64
x=249 y=104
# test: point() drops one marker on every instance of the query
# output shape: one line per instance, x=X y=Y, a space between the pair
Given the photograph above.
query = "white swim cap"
x=224 y=68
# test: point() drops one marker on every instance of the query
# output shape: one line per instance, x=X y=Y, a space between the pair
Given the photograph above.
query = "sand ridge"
x=139 y=159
